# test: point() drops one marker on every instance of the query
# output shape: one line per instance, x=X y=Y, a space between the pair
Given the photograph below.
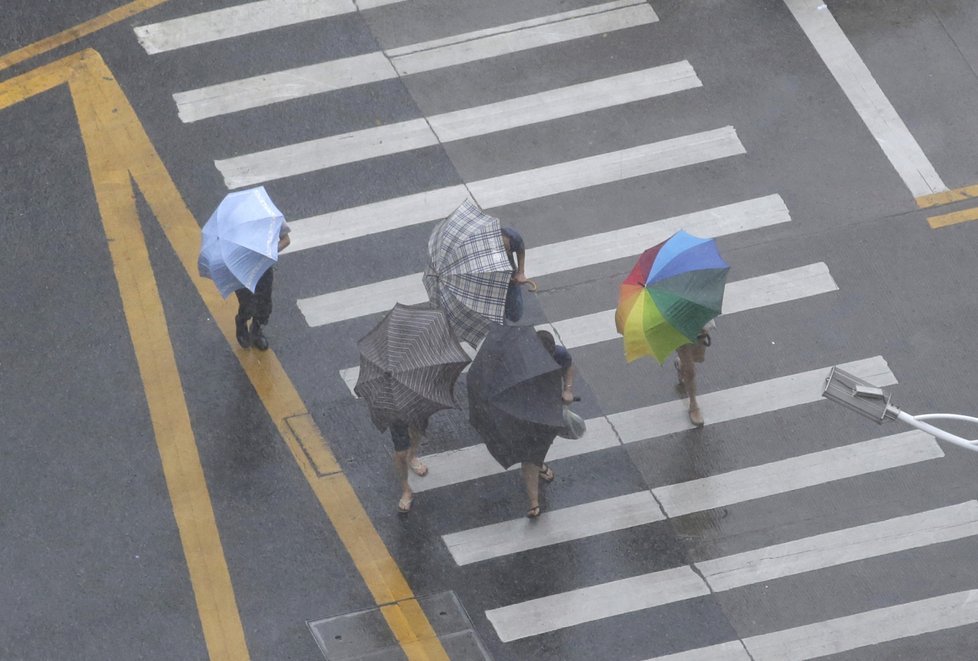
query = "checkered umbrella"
x=468 y=272
x=408 y=365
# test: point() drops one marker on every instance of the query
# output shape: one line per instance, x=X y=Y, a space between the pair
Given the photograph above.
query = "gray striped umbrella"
x=408 y=365
x=468 y=272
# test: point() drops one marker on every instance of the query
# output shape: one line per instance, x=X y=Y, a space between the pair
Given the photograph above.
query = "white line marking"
x=278 y=86
x=241 y=20
x=474 y=461
x=742 y=295
x=867 y=98
x=843 y=634
x=555 y=257
x=524 y=35
x=313 y=155
x=809 y=554
x=635 y=509
x=265 y=89
x=518 y=187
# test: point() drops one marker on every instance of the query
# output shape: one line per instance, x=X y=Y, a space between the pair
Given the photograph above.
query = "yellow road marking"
x=947 y=197
x=71 y=34
x=118 y=148
x=94 y=104
x=944 y=220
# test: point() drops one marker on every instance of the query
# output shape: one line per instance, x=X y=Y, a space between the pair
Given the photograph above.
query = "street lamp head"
x=861 y=396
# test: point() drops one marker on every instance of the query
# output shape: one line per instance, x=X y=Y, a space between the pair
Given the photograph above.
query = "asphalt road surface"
x=165 y=494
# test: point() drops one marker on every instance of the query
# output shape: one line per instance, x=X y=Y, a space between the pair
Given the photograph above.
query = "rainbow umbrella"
x=674 y=289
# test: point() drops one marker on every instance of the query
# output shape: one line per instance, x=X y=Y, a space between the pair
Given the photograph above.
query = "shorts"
x=401 y=435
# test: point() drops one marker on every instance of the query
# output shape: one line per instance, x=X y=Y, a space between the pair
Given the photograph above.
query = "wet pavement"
x=644 y=549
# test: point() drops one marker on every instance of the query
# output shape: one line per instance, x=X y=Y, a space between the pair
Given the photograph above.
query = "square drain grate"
x=365 y=636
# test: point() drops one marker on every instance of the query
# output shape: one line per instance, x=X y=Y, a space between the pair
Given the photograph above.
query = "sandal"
x=546 y=473
x=533 y=513
x=404 y=504
x=419 y=467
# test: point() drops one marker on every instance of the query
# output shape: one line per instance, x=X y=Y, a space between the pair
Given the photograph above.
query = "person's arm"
x=568 y=395
x=284 y=242
x=520 y=275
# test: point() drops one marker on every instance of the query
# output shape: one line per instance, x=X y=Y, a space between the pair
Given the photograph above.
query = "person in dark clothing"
x=536 y=469
x=257 y=307
x=516 y=252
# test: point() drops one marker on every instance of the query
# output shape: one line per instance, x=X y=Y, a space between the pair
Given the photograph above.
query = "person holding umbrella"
x=409 y=364
x=668 y=302
x=240 y=243
x=257 y=307
x=516 y=403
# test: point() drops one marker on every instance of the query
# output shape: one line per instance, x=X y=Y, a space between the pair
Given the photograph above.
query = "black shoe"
x=257 y=339
x=241 y=332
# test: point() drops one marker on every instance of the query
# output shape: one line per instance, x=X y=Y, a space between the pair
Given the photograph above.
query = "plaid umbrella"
x=408 y=365
x=468 y=272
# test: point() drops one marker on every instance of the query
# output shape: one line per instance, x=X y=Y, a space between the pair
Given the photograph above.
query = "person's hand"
x=567 y=396
x=519 y=278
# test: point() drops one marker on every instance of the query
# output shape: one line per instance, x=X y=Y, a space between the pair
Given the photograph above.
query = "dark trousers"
x=514 y=302
x=257 y=306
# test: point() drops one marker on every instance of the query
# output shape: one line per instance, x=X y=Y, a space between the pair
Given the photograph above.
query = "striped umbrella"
x=408 y=365
x=468 y=272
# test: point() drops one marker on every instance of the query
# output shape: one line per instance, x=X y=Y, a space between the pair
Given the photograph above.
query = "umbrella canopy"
x=674 y=289
x=240 y=240
x=408 y=365
x=514 y=388
x=468 y=271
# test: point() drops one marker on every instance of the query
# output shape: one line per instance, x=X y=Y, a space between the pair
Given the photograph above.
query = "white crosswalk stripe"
x=748 y=294
x=279 y=86
x=322 y=153
x=635 y=509
x=843 y=634
x=240 y=20
x=872 y=540
x=556 y=257
x=522 y=186
x=473 y=462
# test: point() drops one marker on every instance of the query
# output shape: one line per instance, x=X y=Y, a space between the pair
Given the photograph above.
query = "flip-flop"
x=546 y=473
x=419 y=467
x=533 y=513
x=404 y=504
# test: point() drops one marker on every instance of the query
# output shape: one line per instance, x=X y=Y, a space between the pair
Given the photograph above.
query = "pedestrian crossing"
x=461 y=472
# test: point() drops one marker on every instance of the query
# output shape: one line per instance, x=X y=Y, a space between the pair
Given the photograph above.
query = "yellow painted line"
x=947 y=197
x=953 y=218
x=71 y=34
x=184 y=475
x=127 y=151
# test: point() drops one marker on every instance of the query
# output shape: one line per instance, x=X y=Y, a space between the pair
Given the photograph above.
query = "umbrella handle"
x=533 y=285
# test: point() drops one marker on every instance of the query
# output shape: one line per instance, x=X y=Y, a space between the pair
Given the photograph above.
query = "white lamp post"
x=874 y=402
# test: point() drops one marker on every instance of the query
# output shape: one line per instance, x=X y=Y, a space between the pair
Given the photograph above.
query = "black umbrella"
x=514 y=388
x=408 y=365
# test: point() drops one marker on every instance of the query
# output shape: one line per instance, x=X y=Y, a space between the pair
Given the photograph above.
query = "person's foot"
x=547 y=473
x=241 y=332
x=533 y=512
x=419 y=467
x=404 y=504
x=696 y=416
x=257 y=337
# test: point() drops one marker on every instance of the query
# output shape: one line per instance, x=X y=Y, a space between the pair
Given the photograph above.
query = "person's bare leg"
x=531 y=478
x=401 y=460
x=687 y=373
x=414 y=463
